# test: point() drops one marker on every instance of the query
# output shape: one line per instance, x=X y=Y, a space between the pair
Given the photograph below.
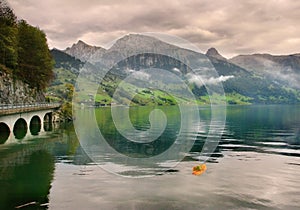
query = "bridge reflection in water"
x=27 y=166
x=26 y=159
x=26 y=172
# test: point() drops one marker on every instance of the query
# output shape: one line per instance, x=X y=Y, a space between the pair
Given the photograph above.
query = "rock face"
x=16 y=92
x=83 y=51
x=149 y=60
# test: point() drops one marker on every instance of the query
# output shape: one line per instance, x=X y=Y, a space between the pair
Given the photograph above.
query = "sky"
x=231 y=26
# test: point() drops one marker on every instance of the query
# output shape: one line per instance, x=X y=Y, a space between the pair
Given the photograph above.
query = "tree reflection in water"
x=28 y=182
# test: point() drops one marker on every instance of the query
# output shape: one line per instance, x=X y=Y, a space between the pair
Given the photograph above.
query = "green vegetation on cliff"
x=24 y=50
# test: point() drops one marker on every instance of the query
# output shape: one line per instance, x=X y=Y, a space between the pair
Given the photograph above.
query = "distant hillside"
x=283 y=69
x=250 y=84
x=65 y=61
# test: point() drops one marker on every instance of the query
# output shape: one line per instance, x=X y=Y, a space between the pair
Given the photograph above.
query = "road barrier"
x=6 y=109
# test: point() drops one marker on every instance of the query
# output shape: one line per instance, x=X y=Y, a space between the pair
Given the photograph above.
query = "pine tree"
x=34 y=59
x=8 y=36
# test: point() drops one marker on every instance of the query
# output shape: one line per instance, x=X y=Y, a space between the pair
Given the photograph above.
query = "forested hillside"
x=24 y=51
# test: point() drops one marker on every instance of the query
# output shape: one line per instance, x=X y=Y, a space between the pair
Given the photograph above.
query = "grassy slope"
x=143 y=96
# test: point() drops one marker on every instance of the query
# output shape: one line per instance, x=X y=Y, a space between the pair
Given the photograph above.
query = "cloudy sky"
x=232 y=26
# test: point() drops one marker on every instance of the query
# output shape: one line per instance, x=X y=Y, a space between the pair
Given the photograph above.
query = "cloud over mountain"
x=202 y=80
x=232 y=27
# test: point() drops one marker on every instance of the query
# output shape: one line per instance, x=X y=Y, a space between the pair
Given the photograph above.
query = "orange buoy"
x=200 y=169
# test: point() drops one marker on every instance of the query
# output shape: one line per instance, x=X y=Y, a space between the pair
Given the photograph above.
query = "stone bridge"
x=25 y=121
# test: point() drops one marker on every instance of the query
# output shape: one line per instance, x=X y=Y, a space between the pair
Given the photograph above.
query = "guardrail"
x=19 y=108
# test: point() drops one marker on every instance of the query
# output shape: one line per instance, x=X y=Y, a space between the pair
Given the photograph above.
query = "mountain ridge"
x=83 y=51
x=242 y=84
x=211 y=52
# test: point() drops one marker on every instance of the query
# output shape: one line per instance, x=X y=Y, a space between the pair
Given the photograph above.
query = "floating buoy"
x=200 y=169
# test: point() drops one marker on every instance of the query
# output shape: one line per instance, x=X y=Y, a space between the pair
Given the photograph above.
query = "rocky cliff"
x=17 y=92
x=84 y=51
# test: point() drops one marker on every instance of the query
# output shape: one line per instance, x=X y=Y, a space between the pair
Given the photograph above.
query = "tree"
x=34 y=59
x=66 y=108
x=69 y=91
x=8 y=36
x=7 y=16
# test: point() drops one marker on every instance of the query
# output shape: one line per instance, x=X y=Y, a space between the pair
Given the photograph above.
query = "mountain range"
x=284 y=69
x=247 y=79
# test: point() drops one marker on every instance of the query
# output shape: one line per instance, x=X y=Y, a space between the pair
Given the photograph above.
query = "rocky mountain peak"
x=83 y=51
x=80 y=42
x=145 y=42
x=213 y=53
x=136 y=41
x=78 y=46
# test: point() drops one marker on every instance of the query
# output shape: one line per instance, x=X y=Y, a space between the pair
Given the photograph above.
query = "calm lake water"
x=255 y=166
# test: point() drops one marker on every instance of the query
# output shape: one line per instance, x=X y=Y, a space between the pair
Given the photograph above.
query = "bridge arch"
x=20 y=128
x=35 y=125
x=48 y=121
x=48 y=117
x=4 y=132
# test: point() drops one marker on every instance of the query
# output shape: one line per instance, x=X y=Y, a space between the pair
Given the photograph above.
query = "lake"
x=256 y=164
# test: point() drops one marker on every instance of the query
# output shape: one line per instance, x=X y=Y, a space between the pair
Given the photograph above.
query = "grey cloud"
x=233 y=27
x=140 y=75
